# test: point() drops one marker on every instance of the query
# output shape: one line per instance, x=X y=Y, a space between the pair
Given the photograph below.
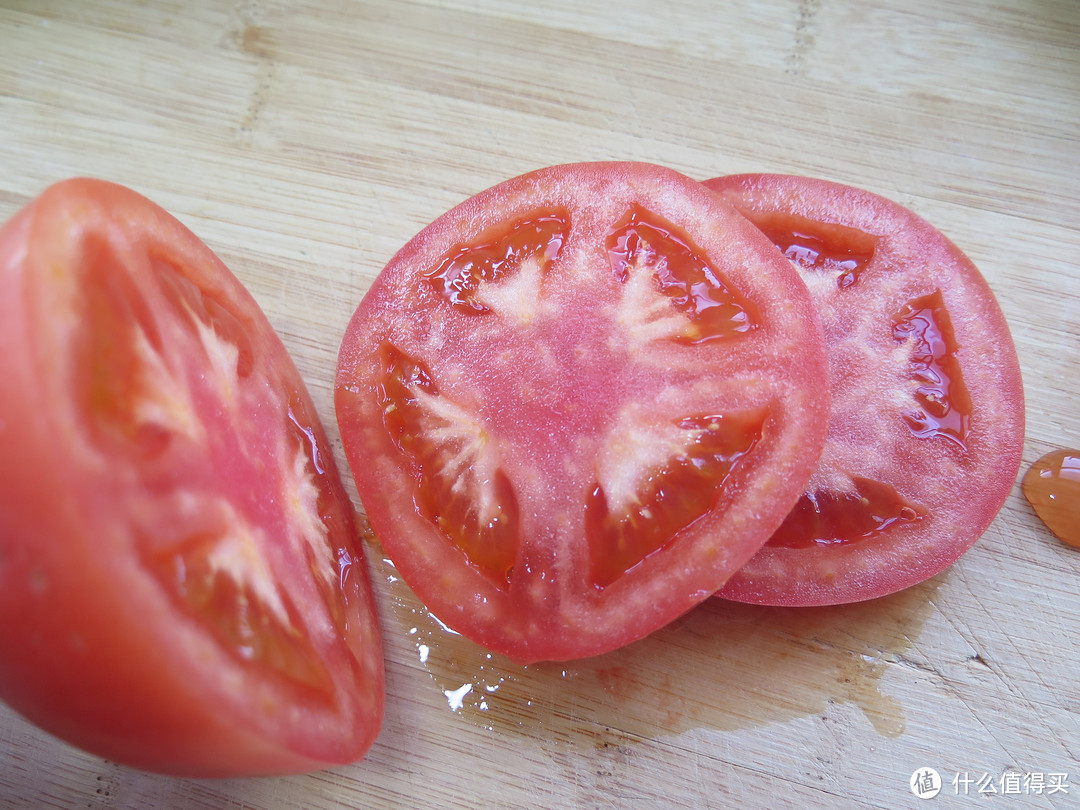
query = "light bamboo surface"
x=306 y=141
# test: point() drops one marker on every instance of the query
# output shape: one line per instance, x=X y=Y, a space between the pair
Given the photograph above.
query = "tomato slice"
x=181 y=583
x=927 y=419
x=577 y=402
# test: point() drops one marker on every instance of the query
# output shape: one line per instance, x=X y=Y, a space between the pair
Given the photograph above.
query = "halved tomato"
x=927 y=420
x=181 y=585
x=577 y=402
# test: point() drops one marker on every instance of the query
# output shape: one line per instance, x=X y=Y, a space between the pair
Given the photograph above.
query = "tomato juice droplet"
x=459 y=275
x=827 y=518
x=943 y=402
x=715 y=309
x=1052 y=487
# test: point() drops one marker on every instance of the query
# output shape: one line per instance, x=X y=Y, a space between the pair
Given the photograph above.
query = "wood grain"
x=306 y=141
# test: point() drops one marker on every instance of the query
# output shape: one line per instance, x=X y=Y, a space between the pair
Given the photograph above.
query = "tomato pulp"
x=927 y=419
x=181 y=584
x=577 y=402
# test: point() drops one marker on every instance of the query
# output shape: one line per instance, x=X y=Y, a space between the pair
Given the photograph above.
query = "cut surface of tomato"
x=182 y=587
x=927 y=419
x=577 y=402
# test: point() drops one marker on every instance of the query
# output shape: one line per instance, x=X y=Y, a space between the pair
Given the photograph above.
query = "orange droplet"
x=1052 y=487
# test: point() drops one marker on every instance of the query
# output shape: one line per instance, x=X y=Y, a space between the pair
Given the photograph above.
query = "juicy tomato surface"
x=181 y=583
x=578 y=402
x=927 y=421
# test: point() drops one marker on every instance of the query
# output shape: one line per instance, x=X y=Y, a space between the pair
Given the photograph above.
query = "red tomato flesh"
x=927 y=421
x=181 y=584
x=577 y=402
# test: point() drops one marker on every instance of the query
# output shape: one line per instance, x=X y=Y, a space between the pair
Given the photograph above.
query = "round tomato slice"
x=578 y=402
x=927 y=419
x=181 y=583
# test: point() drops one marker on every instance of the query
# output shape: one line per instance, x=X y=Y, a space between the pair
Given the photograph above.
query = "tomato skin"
x=927 y=396
x=551 y=384
x=97 y=642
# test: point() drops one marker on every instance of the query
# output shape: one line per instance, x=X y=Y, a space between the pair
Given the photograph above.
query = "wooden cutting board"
x=306 y=141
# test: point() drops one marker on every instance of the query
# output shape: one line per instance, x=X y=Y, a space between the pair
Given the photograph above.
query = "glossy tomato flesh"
x=181 y=583
x=927 y=420
x=577 y=402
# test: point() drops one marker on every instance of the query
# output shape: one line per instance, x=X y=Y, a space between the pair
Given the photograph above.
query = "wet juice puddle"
x=725 y=666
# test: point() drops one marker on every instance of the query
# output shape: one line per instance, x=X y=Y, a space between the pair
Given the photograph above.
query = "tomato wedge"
x=181 y=583
x=578 y=402
x=927 y=421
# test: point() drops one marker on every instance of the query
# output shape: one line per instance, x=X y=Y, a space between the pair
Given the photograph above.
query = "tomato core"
x=536 y=238
x=714 y=308
x=823 y=247
x=448 y=447
x=927 y=408
x=143 y=387
x=943 y=399
x=828 y=518
x=577 y=402
x=106 y=359
x=1052 y=487
x=675 y=496
x=444 y=447
x=195 y=604
x=252 y=627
